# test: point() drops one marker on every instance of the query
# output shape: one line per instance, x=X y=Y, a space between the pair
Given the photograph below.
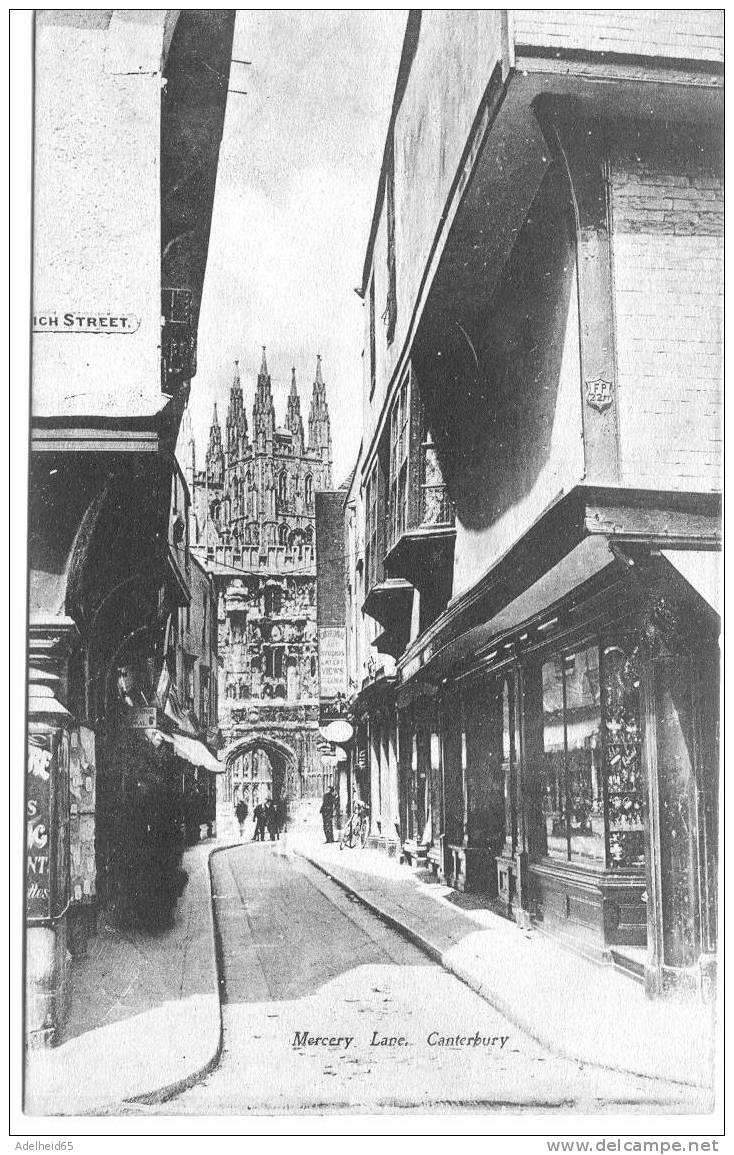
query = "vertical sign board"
x=47 y=821
x=332 y=661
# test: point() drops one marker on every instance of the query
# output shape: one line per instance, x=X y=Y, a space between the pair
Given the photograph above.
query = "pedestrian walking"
x=259 y=815
x=327 y=814
x=241 y=811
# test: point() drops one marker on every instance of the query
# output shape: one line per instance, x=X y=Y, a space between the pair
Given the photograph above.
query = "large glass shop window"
x=573 y=756
x=509 y=759
x=584 y=755
x=553 y=766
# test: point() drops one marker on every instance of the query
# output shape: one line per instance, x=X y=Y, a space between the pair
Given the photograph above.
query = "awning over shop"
x=585 y=561
x=195 y=752
x=701 y=569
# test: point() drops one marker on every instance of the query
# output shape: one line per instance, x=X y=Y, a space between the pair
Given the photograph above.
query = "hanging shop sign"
x=139 y=718
x=87 y=321
x=338 y=731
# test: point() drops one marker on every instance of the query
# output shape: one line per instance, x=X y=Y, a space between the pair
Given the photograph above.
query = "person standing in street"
x=271 y=820
x=241 y=811
x=259 y=815
x=327 y=814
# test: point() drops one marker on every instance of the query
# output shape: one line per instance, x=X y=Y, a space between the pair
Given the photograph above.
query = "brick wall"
x=674 y=33
x=667 y=206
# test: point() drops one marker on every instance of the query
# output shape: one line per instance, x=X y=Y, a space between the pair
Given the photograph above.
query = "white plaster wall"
x=456 y=54
x=97 y=211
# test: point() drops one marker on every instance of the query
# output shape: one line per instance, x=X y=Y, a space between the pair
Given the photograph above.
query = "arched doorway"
x=260 y=767
x=254 y=778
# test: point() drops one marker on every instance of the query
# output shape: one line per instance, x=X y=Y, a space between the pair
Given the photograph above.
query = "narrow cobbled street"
x=325 y=1008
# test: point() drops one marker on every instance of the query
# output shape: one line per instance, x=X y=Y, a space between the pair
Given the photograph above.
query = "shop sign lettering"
x=332 y=661
x=87 y=321
x=140 y=718
x=38 y=800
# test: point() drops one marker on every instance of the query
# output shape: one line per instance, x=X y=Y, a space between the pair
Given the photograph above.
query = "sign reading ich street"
x=85 y=321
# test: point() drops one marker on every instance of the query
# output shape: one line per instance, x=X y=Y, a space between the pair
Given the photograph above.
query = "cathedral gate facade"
x=253 y=526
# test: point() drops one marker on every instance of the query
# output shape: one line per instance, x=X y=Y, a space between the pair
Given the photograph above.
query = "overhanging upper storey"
x=128 y=118
x=461 y=192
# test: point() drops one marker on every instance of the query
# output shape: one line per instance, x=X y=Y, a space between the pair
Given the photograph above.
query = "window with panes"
x=371 y=531
x=399 y=441
x=592 y=797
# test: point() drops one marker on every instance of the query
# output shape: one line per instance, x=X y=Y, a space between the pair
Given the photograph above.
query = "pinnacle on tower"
x=319 y=424
x=263 y=410
x=215 y=453
x=236 y=417
x=293 y=419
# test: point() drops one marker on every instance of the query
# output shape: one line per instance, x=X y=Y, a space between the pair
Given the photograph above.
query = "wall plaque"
x=599 y=394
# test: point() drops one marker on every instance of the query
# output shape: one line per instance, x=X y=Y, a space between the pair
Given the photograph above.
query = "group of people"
x=269 y=816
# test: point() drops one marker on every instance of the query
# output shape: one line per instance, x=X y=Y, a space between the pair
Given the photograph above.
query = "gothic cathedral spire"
x=319 y=424
x=293 y=419
x=215 y=453
x=263 y=410
x=236 y=418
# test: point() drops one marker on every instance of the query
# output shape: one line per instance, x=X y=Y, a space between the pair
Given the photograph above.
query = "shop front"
x=376 y=778
x=421 y=787
x=579 y=758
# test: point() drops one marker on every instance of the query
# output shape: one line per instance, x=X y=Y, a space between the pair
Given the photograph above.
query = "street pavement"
x=313 y=984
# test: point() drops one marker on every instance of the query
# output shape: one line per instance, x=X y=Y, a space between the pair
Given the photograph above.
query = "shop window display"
x=572 y=765
x=591 y=776
x=623 y=757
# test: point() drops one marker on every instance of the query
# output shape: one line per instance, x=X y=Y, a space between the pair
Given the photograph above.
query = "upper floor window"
x=308 y=489
x=282 y=535
x=371 y=528
x=391 y=308
x=399 y=428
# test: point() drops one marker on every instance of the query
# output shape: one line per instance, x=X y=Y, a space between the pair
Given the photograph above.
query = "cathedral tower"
x=255 y=531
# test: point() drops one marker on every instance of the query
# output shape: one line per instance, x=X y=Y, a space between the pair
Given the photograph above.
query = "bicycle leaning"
x=357 y=828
